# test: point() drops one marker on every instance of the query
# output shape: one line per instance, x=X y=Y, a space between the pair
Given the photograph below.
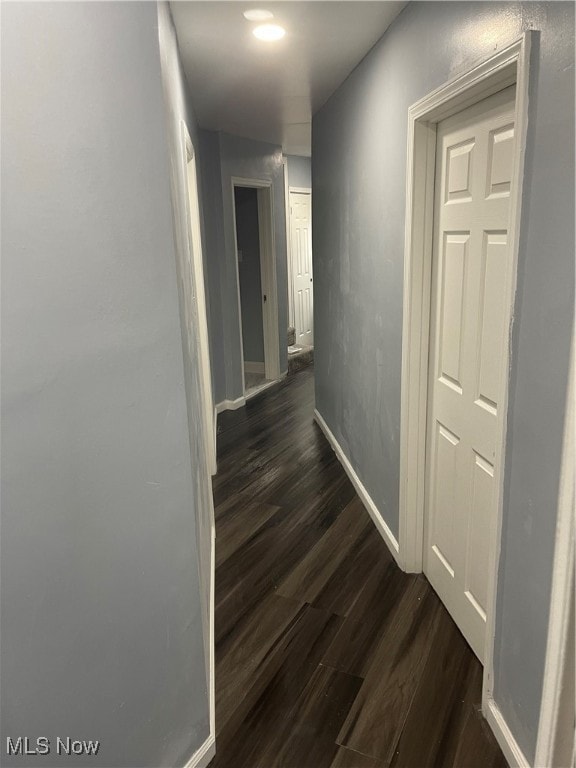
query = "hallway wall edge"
x=204 y=754
x=372 y=509
x=501 y=730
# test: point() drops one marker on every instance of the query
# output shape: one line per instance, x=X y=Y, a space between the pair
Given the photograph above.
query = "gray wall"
x=101 y=630
x=248 y=238
x=359 y=150
x=232 y=156
x=299 y=171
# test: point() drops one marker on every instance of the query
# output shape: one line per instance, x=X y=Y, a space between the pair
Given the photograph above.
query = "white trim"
x=552 y=719
x=254 y=367
x=508 y=66
x=508 y=744
x=365 y=497
x=300 y=190
x=504 y=68
x=205 y=522
x=250 y=393
x=269 y=282
x=196 y=262
x=265 y=195
x=240 y=402
x=231 y=405
x=204 y=754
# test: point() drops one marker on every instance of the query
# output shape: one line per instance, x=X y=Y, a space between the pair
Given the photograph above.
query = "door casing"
x=205 y=521
x=197 y=262
x=267 y=275
x=507 y=67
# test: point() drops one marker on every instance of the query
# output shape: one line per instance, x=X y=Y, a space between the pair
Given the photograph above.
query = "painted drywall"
x=299 y=171
x=247 y=159
x=359 y=151
x=248 y=240
x=101 y=611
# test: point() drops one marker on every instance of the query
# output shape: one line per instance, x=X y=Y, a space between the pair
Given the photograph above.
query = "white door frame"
x=291 y=298
x=205 y=525
x=265 y=194
x=288 y=246
x=507 y=67
x=197 y=264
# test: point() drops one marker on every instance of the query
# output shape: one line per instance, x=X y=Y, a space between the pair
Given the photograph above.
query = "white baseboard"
x=253 y=367
x=204 y=754
x=504 y=737
x=233 y=405
x=365 y=497
x=263 y=387
x=230 y=405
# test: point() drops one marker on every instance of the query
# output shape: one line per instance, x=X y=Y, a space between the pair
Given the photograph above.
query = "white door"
x=301 y=246
x=470 y=318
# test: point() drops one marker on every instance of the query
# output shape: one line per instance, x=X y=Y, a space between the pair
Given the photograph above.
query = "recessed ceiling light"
x=258 y=14
x=269 y=32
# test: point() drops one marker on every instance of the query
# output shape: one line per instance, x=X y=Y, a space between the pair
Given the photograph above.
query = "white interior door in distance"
x=301 y=246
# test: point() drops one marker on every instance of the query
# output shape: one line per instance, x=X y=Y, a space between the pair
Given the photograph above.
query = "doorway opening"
x=257 y=292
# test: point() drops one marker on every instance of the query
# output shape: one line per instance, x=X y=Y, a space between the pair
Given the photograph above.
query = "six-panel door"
x=301 y=244
x=469 y=322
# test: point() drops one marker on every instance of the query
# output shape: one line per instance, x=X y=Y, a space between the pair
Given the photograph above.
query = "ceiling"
x=269 y=91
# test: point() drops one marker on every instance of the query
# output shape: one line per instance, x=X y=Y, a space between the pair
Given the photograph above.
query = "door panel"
x=469 y=322
x=453 y=275
x=501 y=143
x=475 y=586
x=491 y=319
x=447 y=451
x=459 y=172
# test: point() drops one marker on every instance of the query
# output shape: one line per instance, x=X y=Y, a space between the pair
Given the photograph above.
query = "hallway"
x=413 y=168
x=326 y=653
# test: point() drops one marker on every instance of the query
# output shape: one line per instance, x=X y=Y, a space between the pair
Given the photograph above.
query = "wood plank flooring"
x=327 y=655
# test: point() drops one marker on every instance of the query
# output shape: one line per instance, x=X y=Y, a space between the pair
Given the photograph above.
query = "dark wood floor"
x=327 y=655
